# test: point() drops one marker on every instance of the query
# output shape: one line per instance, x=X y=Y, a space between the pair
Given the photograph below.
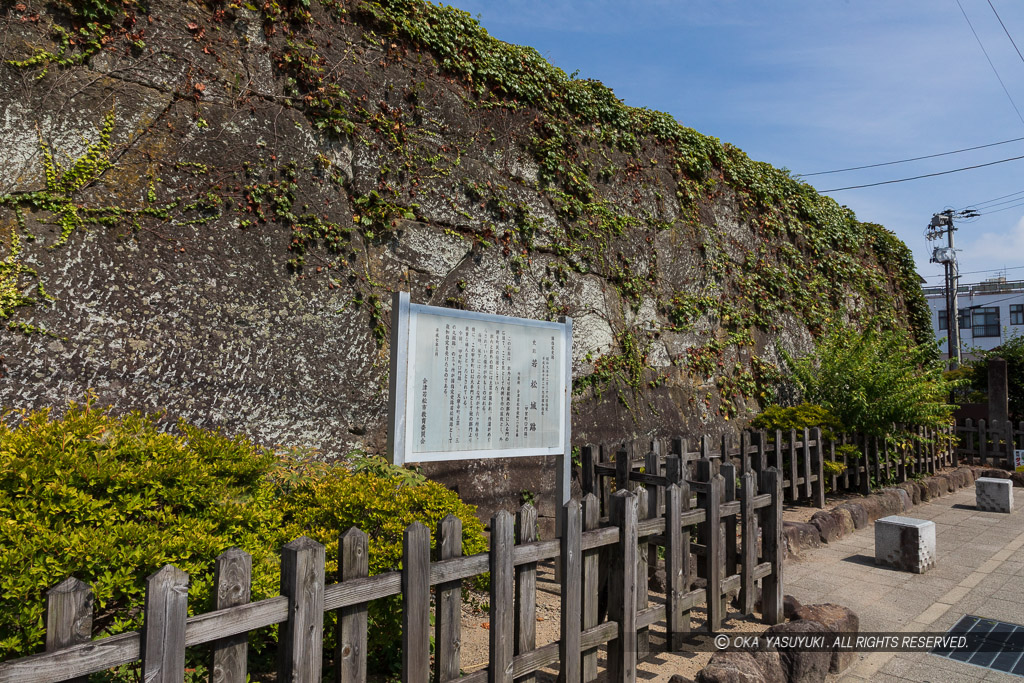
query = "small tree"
x=873 y=379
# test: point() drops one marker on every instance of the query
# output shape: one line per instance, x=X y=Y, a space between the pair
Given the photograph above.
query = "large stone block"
x=905 y=543
x=994 y=495
x=838 y=619
x=803 y=665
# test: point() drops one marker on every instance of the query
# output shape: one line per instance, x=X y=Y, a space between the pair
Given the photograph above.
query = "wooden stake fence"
x=799 y=455
x=512 y=560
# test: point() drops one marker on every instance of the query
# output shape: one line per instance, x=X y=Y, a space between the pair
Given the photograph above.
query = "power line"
x=926 y=175
x=975 y=272
x=1007 y=208
x=903 y=161
x=994 y=70
x=995 y=199
x=1005 y=30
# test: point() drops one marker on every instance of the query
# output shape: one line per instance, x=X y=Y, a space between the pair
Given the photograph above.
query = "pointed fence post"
x=416 y=603
x=677 y=621
x=232 y=577
x=591 y=571
x=643 y=635
x=572 y=607
x=771 y=548
x=502 y=633
x=713 y=553
x=350 y=652
x=794 y=486
x=623 y=466
x=748 y=490
x=819 y=468
x=526 y=586
x=588 y=478
x=163 y=626
x=622 y=590
x=301 y=638
x=69 y=607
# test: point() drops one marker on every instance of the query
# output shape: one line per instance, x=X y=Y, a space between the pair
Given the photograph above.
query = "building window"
x=986 y=322
x=1017 y=314
x=965 y=320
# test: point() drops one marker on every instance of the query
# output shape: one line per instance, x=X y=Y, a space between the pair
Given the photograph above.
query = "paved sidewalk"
x=980 y=571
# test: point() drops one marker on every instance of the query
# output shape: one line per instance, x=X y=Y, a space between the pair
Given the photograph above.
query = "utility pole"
x=942 y=224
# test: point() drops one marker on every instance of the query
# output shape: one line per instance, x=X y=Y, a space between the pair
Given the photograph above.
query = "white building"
x=990 y=312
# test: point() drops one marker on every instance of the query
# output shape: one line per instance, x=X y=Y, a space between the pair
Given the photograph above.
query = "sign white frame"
x=405 y=318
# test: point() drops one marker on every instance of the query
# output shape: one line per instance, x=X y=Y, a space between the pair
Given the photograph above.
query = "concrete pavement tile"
x=972 y=580
x=903 y=665
x=941 y=669
x=991 y=583
x=1001 y=610
x=1012 y=566
x=956 y=593
x=1000 y=677
x=932 y=613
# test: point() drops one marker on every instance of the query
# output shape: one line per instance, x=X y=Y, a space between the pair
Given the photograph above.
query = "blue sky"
x=816 y=85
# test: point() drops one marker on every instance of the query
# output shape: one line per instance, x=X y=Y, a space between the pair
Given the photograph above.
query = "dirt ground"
x=659 y=667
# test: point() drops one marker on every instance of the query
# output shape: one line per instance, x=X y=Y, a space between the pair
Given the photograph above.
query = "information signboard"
x=1018 y=461
x=467 y=385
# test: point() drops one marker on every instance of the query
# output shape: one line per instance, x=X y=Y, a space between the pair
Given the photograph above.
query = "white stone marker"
x=994 y=495
x=905 y=543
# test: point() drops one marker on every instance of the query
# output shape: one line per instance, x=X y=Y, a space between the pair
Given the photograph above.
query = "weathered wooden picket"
x=799 y=456
x=662 y=512
x=989 y=444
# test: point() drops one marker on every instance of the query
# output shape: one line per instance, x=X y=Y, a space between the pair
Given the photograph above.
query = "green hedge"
x=111 y=500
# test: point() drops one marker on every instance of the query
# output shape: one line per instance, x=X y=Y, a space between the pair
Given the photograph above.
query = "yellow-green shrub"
x=111 y=500
x=382 y=501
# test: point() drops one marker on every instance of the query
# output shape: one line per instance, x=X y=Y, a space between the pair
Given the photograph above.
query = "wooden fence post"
x=772 y=550
x=300 y=640
x=354 y=563
x=591 y=561
x=819 y=468
x=416 y=603
x=623 y=466
x=572 y=579
x=865 y=481
x=526 y=586
x=713 y=555
x=163 y=626
x=748 y=490
x=705 y=471
x=808 y=471
x=69 y=607
x=588 y=476
x=604 y=484
x=728 y=472
x=643 y=635
x=502 y=633
x=901 y=469
x=622 y=590
x=794 y=486
x=232 y=576
x=677 y=620
x=762 y=451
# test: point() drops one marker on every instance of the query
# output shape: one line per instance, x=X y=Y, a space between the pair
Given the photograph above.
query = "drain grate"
x=991 y=644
